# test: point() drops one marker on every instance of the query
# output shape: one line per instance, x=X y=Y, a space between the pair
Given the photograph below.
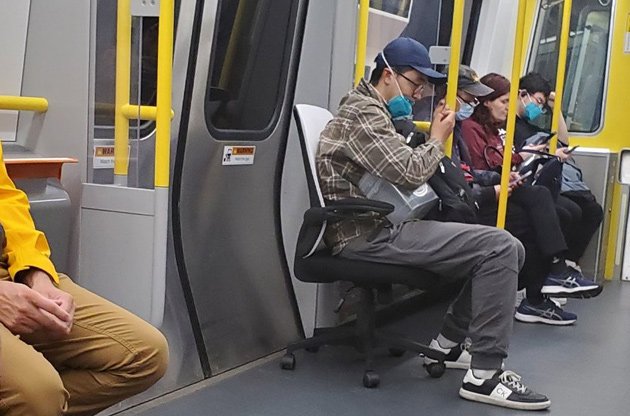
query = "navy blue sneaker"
x=546 y=313
x=571 y=284
x=503 y=389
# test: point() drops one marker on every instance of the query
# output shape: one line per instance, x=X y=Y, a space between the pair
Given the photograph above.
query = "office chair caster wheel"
x=288 y=362
x=312 y=349
x=436 y=370
x=371 y=379
x=396 y=352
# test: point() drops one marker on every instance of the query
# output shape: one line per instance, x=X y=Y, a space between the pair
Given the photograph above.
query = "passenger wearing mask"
x=362 y=138
x=531 y=216
x=580 y=212
x=526 y=221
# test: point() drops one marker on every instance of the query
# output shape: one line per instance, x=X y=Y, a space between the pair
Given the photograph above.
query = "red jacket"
x=480 y=144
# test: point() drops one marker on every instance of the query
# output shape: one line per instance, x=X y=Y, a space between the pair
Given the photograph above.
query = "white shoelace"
x=513 y=380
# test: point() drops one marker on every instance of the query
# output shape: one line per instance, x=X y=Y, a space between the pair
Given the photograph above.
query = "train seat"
x=373 y=281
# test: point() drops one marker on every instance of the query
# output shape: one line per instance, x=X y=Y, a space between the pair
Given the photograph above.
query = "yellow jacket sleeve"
x=26 y=247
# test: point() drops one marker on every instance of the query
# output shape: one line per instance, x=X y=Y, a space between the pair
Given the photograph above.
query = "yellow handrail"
x=453 y=67
x=142 y=112
x=423 y=126
x=562 y=62
x=164 y=92
x=362 y=30
x=123 y=80
x=8 y=102
x=162 y=113
x=511 y=118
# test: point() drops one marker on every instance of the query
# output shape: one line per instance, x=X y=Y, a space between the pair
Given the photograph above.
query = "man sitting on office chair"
x=362 y=138
x=63 y=350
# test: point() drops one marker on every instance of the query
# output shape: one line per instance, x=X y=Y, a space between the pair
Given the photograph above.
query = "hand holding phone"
x=569 y=151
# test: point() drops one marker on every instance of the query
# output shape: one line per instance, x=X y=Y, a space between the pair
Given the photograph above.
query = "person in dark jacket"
x=531 y=215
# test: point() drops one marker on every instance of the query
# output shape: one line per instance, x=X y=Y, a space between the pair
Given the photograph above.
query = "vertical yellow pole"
x=123 y=79
x=511 y=118
x=362 y=29
x=453 y=66
x=562 y=63
x=164 y=92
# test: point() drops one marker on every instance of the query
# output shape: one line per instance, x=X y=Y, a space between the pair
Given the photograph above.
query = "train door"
x=227 y=174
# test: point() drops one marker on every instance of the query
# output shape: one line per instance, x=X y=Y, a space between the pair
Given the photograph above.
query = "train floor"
x=583 y=368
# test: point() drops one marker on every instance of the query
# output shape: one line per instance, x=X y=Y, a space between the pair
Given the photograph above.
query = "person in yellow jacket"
x=63 y=350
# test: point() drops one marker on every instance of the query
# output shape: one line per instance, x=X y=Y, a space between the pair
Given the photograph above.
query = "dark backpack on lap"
x=456 y=202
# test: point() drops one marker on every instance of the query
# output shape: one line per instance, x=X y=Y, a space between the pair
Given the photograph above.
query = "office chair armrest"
x=347 y=208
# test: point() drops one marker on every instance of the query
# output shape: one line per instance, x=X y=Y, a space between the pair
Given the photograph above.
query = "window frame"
x=531 y=60
x=264 y=133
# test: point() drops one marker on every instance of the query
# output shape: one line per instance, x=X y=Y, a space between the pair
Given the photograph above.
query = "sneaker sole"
x=476 y=397
x=576 y=292
x=537 y=319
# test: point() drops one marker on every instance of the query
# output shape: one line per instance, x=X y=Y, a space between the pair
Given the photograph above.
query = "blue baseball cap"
x=409 y=52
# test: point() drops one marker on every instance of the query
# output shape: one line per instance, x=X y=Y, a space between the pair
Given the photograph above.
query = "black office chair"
x=314 y=263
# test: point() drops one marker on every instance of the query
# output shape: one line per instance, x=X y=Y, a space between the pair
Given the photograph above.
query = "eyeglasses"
x=473 y=103
x=418 y=87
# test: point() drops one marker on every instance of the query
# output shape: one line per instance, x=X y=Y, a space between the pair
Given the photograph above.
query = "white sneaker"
x=559 y=301
x=456 y=357
x=503 y=389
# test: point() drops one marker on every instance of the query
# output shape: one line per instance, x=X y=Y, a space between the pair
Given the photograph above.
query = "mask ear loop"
x=395 y=80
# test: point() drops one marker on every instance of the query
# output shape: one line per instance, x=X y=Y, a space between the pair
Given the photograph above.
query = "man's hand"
x=24 y=311
x=562 y=154
x=443 y=122
x=515 y=181
x=551 y=100
x=40 y=282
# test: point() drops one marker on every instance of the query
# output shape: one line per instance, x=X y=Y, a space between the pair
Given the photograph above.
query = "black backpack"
x=456 y=203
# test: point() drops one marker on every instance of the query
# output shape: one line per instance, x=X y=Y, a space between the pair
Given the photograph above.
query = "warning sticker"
x=238 y=155
x=103 y=157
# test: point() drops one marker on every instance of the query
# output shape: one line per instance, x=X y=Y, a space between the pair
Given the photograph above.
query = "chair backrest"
x=310 y=121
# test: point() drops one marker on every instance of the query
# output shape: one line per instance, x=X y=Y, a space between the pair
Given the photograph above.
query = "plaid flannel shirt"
x=362 y=138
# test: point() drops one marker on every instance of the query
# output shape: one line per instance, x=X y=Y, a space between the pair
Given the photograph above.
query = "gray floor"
x=583 y=368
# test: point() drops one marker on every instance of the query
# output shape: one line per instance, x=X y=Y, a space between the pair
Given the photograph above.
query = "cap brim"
x=477 y=89
x=435 y=77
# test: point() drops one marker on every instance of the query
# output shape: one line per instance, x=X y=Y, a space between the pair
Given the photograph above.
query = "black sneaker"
x=571 y=283
x=503 y=389
x=456 y=357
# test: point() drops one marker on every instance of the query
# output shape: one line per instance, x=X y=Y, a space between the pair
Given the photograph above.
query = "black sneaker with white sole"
x=456 y=357
x=503 y=389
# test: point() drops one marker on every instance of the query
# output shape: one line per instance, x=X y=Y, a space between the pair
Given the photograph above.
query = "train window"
x=587 y=56
x=398 y=7
x=249 y=67
x=143 y=70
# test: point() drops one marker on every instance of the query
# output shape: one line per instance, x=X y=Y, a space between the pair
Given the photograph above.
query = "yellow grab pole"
x=362 y=30
x=511 y=118
x=38 y=104
x=562 y=62
x=423 y=126
x=142 y=112
x=164 y=91
x=123 y=79
x=453 y=66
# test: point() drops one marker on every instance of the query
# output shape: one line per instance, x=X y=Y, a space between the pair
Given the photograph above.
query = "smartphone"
x=523 y=177
x=568 y=152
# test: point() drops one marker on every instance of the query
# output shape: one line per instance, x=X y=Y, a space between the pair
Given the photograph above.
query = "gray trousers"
x=488 y=257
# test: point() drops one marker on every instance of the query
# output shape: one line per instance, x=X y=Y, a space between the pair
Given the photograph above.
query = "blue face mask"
x=400 y=107
x=465 y=111
x=532 y=111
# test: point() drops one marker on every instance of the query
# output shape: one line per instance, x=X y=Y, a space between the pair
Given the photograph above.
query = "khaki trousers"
x=109 y=355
